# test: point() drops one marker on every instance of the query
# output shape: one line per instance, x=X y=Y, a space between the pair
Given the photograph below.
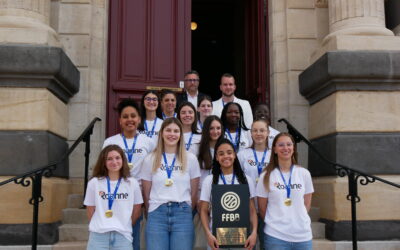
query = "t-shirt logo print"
x=230 y=201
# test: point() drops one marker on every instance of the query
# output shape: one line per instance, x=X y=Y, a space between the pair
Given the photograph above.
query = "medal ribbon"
x=200 y=124
x=165 y=117
x=128 y=151
x=152 y=129
x=224 y=181
x=236 y=143
x=167 y=167
x=111 y=198
x=290 y=181
x=259 y=164
x=189 y=142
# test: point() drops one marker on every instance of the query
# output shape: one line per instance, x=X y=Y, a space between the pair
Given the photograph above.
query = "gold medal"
x=130 y=165
x=169 y=182
x=109 y=213
x=257 y=180
x=288 y=202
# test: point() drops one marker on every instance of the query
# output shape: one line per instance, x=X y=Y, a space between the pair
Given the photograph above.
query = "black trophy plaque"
x=230 y=214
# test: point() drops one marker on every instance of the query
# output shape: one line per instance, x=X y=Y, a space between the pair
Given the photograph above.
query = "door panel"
x=149 y=45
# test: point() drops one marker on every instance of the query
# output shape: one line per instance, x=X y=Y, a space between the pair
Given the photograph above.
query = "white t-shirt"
x=144 y=146
x=247 y=112
x=248 y=162
x=180 y=191
x=128 y=195
x=152 y=135
x=205 y=172
x=288 y=223
x=194 y=144
x=272 y=133
x=245 y=139
x=207 y=186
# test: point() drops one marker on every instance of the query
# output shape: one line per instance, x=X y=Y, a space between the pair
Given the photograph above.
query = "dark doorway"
x=218 y=43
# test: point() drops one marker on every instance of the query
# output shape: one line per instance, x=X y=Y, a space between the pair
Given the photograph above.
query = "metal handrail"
x=35 y=177
x=354 y=176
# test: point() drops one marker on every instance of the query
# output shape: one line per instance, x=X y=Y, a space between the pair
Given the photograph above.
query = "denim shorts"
x=272 y=243
x=108 y=241
x=170 y=227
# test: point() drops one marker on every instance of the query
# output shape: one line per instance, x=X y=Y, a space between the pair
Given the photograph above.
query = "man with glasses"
x=190 y=92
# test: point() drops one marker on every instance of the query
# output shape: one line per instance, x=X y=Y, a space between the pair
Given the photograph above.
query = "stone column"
x=26 y=22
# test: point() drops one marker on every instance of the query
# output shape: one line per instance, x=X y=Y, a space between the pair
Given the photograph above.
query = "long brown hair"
x=180 y=152
x=100 y=170
x=274 y=161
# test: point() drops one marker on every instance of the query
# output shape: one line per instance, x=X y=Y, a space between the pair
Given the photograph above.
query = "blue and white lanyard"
x=165 y=117
x=169 y=168
x=290 y=181
x=189 y=142
x=259 y=165
x=152 y=129
x=236 y=142
x=111 y=198
x=128 y=151
x=224 y=181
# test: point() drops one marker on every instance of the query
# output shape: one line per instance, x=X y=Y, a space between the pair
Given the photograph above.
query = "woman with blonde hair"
x=170 y=179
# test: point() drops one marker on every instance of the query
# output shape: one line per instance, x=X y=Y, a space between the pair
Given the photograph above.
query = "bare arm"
x=251 y=241
x=194 y=187
x=146 y=185
x=262 y=206
x=205 y=220
x=307 y=201
x=136 y=212
x=90 y=211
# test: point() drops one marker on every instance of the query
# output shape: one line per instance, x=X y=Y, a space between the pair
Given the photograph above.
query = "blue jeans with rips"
x=170 y=227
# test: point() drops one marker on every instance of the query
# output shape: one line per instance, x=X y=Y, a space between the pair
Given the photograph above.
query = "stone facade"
x=301 y=32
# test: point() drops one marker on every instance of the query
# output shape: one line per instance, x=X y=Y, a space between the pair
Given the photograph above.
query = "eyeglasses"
x=282 y=144
x=192 y=80
x=149 y=99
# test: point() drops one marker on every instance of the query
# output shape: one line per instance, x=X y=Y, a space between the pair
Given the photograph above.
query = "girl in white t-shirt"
x=149 y=110
x=226 y=171
x=187 y=116
x=254 y=159
x=235 y=127
x=113 y=202
x=170 y=179
x=284 y=198
x=204 y=110
x=135 y=145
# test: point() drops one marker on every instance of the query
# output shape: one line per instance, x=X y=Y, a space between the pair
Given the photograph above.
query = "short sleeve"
x=146 y=168
x=137 y=193
x=308 y=185
x=194 y=167
x=252 y=187
x=260 y=189
x=205 y=194
x=90 y=193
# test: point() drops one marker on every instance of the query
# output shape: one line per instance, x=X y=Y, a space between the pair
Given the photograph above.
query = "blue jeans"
x=272 y=243
x=108 y=241
x=170 y=227
x=136 y=234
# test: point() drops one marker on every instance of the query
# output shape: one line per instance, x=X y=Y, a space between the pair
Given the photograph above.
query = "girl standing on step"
x=135 y=145
x=168 y=103
x=204 y=108
x=113 y=202
x=187 y=116
x=235 y=128
x=170 y=179
x=284 y=198
x=226 y=171
x=149 y=108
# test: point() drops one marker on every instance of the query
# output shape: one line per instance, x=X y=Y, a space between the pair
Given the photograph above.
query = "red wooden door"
x=149 y=45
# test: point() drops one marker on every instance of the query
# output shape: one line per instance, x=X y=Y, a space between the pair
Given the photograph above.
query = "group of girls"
x=169 y=160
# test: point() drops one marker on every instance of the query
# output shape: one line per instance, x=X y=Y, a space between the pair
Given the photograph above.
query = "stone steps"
x=73 y=232
x=323 y=244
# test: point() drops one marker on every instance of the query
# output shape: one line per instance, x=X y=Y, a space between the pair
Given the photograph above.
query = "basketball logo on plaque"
x=231 y=216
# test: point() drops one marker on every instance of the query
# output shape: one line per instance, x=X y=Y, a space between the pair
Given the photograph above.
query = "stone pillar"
x=26 y=22
x=356 y=25
x=37 y=80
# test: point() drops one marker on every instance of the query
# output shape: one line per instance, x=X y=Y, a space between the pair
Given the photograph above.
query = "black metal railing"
x=34 y=177
x=354 y=176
